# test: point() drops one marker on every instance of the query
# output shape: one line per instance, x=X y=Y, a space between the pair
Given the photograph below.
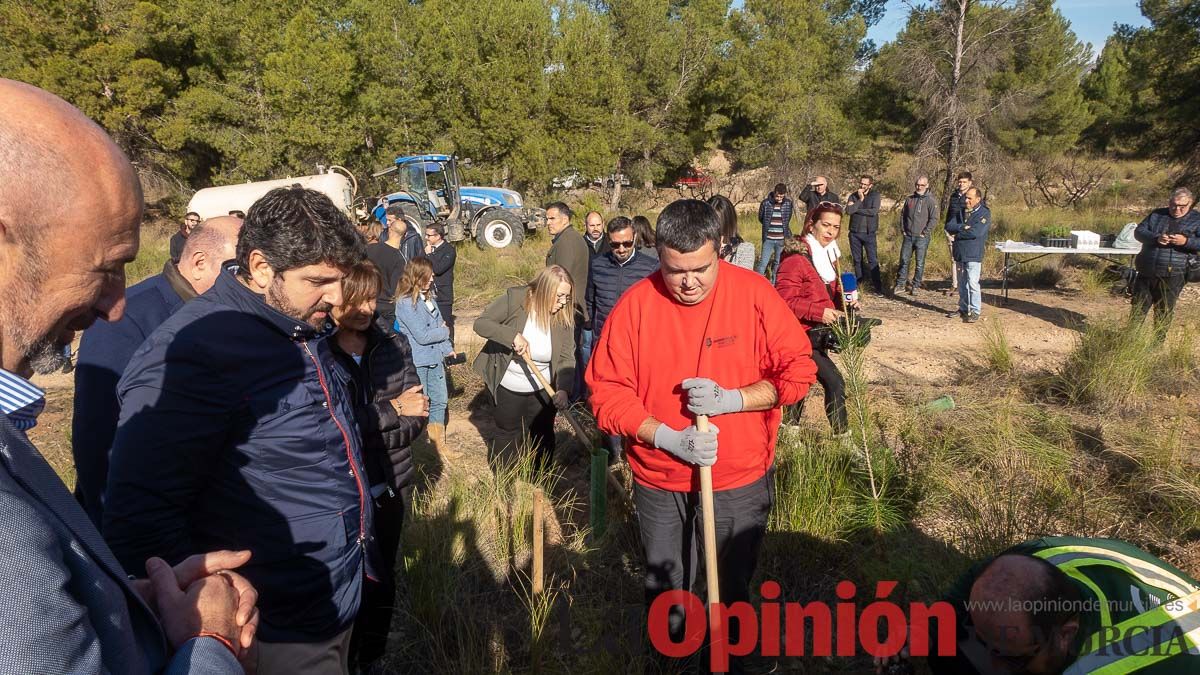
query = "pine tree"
x=1109 y=92
x=1043 y=108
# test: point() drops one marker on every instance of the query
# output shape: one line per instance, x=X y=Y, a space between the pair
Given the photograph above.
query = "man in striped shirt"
x=775 y=214
x=66 y=606
x=20 y=401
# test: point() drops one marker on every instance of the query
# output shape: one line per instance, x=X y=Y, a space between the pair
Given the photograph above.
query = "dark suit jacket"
x=67 y=605
x=390 y=263
x=443 y=259
x=864 y=213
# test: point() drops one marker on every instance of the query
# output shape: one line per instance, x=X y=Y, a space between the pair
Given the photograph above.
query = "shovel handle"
x=710 y=544
x=575 y=426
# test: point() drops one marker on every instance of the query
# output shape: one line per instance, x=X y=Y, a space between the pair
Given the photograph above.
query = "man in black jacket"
x=1169 y=236
x=817 y=191
x=570 y=252
x=442 y=256
x=191 y=220
x=863 y=207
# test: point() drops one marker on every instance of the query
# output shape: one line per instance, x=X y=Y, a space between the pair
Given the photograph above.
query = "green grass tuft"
x=998 y=353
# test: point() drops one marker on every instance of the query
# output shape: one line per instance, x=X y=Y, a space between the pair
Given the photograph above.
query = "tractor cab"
x=429 y=183
x=431 y=190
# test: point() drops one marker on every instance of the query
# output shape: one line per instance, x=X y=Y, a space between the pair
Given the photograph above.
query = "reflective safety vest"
x=1163 y=633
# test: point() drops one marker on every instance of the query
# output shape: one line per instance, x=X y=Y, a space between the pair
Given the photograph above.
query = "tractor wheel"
x=499 y=229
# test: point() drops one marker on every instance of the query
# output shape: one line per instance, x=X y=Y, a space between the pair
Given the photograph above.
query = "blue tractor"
x=431 y=190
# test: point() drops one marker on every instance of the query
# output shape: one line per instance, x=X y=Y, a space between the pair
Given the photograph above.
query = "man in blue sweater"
x=105 y=350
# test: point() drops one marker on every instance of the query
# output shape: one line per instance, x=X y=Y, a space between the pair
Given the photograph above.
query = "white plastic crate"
x=1084 y=239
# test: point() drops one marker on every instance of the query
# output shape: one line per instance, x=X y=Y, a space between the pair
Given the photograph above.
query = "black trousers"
x=518 y=415
x=1160 y=292
x=835 y=391
x=447 y=311
x=866 y=259
x=672 y=537
x=368 y=642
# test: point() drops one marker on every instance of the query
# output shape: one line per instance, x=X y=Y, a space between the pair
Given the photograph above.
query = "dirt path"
x=918 y=344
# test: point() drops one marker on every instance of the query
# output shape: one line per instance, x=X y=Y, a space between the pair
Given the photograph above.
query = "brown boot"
x=437 y=436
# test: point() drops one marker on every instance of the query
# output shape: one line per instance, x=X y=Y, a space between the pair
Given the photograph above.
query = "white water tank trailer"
x=336 y=183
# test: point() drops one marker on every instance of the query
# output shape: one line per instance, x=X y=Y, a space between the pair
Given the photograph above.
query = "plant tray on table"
x=1055 y=236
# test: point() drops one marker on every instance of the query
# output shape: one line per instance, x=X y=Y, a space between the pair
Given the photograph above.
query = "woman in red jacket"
x=808 y=282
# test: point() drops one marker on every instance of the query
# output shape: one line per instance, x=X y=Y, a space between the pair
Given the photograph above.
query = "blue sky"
x=1092 y=20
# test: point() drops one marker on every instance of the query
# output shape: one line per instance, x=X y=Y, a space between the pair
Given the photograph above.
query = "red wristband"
x=221 y=638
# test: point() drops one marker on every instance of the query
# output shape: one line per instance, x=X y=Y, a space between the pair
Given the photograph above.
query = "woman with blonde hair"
x=533 y=320
x=418 y=318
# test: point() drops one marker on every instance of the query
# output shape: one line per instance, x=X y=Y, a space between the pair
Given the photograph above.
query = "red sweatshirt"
x=740 y=334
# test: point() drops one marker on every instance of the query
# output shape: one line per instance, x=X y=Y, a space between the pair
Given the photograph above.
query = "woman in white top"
x=528 y=320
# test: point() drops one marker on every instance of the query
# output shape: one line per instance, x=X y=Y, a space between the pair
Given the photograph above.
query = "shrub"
x=1118 y=365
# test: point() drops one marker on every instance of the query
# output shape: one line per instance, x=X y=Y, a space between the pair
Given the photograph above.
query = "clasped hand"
x=202 y=595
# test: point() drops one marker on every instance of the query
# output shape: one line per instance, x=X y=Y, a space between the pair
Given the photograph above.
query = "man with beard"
x=234 y=432
x=593 y=234
x=66 y=605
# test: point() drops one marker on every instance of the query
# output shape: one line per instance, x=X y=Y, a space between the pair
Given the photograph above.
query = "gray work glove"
x=691 y=445
x=706 y=397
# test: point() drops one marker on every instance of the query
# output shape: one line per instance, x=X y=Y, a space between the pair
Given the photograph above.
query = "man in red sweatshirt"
x=699 y=337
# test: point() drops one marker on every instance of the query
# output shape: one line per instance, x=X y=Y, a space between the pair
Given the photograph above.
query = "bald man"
x=818 y=190
x=66 y=605
x=106 y=348
x=1071 y=604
